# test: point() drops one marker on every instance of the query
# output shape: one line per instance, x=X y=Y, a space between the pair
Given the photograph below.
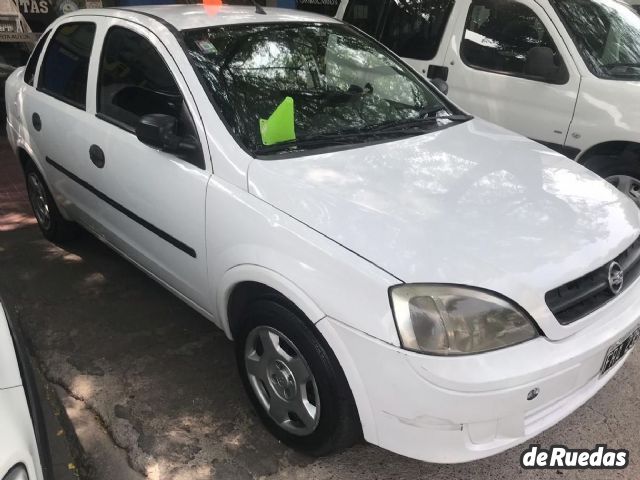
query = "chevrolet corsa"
x=388 y=266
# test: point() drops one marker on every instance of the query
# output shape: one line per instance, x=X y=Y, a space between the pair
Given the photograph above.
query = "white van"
x=563 y=72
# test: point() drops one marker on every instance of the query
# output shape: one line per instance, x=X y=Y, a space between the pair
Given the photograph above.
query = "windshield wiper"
x=429 y=111
x=325 y=140
x=420 y=122
x=302 y=144
x=616 y=65
x=404 y=128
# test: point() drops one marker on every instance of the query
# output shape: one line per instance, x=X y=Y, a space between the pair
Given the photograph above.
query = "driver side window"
x=507 y=37
x=134 y=81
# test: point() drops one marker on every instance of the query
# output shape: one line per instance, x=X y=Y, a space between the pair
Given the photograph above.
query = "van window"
x=607 y=34
x=365 y=15
x=414 y=29
x=500 y=35
x=30 y=70
x=63 y=74
x=134 y=80
x=323 y=7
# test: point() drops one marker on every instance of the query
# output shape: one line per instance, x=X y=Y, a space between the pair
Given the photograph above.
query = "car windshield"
x=299 y=86
x=607 y=34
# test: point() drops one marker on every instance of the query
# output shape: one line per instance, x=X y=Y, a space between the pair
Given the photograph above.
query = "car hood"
x=473 y=204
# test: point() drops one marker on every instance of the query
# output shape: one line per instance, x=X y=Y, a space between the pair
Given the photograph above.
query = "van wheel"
x=52 y=224
x=294 y=380
x=622 y=173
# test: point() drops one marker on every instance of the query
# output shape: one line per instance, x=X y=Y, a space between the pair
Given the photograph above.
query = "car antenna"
x=259 y=9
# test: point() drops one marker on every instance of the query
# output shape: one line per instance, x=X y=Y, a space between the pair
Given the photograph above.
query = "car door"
x=150 y=203
x=508 y=64
x=54 y=113
x=413 y=30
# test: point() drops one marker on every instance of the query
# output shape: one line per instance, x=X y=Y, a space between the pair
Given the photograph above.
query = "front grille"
x=587 y=294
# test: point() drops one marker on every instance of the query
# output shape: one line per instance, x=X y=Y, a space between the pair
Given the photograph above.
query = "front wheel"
x=294 y=380
x=623 y=173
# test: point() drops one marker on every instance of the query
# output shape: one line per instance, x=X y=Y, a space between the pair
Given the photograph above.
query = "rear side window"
x=135 y=81
x=30 y=70
x=63 y=74
x=365 y=15
x=501 y=36
x=414 y=29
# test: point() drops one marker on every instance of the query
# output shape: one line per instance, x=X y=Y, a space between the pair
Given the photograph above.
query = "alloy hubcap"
x=630 y=186
x=38 y=199
x=281 y=379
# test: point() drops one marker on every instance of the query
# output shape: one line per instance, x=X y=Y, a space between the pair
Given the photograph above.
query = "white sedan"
x=388 y=266
x=24 y=453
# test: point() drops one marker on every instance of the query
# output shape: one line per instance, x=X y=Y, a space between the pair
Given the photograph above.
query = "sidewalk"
x=15 y=212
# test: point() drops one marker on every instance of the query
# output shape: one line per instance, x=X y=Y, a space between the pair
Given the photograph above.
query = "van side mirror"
x=160 y=131
x=541 y=64
x=440 y=85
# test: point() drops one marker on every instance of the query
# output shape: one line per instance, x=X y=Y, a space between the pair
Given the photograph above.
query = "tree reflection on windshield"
x=340 y=81
x=607 y=34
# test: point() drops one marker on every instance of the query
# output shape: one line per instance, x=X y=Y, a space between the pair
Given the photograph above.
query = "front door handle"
x=96 y=155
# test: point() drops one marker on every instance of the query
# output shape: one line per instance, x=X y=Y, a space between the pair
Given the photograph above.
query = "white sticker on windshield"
x=206 y=46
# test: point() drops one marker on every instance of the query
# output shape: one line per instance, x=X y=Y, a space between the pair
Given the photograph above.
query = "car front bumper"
x=458 y=409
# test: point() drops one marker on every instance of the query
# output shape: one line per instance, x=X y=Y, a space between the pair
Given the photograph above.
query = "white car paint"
x=438 y=190
x=472 y=204
x=18 y=444
x=576 y=117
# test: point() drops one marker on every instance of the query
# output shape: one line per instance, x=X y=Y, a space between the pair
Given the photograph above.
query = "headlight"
x=452 y=320
x=17 y=473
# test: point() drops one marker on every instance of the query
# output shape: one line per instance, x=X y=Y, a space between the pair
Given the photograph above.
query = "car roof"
x=185 y=17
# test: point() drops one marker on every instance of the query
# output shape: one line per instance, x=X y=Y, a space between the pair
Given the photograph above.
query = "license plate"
x=619 y=350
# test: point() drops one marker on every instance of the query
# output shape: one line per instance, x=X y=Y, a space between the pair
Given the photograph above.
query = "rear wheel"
x=623 y=173
x=52 y=224
x=294 y=380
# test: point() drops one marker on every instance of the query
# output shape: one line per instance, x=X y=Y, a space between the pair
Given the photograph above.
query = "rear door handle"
x=36 y=121
x=96 y=155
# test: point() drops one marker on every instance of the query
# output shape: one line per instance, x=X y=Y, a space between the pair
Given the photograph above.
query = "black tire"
x=54 y=227
x=338 y=426
x=612 y=167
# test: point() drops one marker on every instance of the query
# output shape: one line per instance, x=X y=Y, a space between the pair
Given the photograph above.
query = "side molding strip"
x=125 y=211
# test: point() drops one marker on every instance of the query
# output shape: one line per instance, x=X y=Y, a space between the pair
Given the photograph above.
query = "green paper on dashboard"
x=280 y=125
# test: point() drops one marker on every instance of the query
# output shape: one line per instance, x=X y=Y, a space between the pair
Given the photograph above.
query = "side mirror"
x=440 y=85
x=160 y=131
x=541 y=64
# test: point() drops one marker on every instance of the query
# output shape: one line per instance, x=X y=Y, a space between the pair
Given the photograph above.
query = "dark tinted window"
x=414 y=29
x=364 y=14
x=30 y=71
x=324 y=7
x=66 y=62
x=507 y=37
x=134 y=80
